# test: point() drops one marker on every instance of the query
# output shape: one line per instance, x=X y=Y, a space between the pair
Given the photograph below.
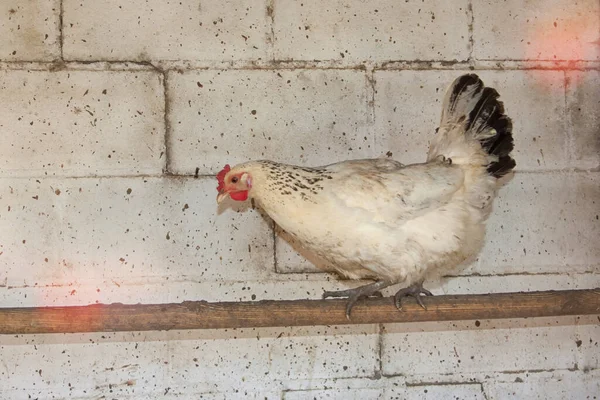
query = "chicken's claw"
x=358 y=293
x=415 y=291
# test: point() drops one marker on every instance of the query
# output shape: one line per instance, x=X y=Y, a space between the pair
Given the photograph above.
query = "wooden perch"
x=204 y=315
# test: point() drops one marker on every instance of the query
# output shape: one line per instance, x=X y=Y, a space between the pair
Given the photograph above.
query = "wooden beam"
x=267 y=313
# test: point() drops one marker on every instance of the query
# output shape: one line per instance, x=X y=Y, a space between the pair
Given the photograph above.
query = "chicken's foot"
x=358 y=293
x=415 y=291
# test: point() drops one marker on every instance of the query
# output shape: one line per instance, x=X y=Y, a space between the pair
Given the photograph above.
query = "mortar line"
x=212 y=176
x=61 y=38
x=370 y=78
x=471 y=18
x=270 y=10
x=413 y=65
x=533 y=60
x=566 y=120
x=284 y=278
x=167 y=126
x=442 y=383
x=484 y=390
x=528 y=273
x=275 y=263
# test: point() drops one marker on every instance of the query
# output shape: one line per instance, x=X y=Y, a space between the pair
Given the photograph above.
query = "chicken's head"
x=233 y=183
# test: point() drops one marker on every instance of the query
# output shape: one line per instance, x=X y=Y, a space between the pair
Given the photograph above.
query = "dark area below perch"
x=269 y=313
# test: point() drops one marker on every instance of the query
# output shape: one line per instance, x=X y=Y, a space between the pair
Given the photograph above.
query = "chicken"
x=379 y=219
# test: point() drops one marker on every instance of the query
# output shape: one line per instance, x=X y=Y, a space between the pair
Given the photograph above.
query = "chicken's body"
x=373 y=218
x=386 y=221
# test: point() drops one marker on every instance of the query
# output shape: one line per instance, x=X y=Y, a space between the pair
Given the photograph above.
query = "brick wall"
x=109 y=108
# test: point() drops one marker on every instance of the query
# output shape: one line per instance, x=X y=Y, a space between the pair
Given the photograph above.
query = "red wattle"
x=242 y=195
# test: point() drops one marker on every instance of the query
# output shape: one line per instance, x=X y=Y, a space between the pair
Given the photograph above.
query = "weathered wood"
x=204 y=315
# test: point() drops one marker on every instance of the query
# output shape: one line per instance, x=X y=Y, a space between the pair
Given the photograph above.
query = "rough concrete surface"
x=114 y=116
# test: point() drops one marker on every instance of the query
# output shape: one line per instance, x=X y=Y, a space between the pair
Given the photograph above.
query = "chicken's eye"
x=234 y=179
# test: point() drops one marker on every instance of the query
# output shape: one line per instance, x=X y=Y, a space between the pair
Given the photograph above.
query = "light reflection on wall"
x=569 y=38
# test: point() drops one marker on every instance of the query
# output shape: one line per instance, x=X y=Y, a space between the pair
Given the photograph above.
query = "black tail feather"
x=488 y=116
x=503 y=166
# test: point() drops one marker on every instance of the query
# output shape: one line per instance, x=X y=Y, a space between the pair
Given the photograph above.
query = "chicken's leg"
x=415 y=290
x=358 y=293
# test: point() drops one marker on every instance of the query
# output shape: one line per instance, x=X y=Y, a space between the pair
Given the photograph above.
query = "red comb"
x=221 y=177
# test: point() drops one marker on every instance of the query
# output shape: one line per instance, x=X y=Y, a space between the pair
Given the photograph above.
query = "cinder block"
x=334 y=394
x=207 y=361
x=81 y=123
x=61 y=231
x=575 y=387
x=583 y=118
x=44 y=366
x=29 y=30
x=588 y=336
x=265 y=356
x=408 y=106
x=461 y=347
x=518 y=283
x=543 y=223
x=142 y=30
x=308 y=117
x=537 y=30
x=371 y=30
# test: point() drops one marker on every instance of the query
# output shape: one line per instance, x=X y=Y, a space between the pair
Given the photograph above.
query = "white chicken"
x=378 y=219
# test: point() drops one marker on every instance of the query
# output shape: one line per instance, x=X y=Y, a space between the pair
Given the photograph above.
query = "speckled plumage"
x=380 y=219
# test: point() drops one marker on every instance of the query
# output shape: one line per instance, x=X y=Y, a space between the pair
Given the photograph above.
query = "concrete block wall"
x=115 y=116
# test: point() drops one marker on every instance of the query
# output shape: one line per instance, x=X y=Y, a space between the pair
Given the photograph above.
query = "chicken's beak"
x=222 y=196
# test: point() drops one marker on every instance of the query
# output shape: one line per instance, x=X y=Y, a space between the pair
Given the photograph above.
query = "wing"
x=391 y=192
